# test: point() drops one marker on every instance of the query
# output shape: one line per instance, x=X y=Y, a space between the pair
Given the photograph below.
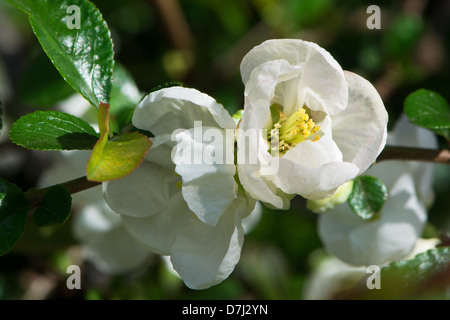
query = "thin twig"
x=414 y=154
x=34 y=196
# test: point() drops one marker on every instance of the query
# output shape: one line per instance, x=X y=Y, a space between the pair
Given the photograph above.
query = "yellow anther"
x=292 y=130
x=315 y=129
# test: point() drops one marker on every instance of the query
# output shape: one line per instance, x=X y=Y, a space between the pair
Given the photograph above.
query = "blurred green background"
x=201 y=43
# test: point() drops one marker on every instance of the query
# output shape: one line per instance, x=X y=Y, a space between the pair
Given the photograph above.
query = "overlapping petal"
x=321 y=82
x=362 y=125
x=394 y=234
x=349 y=112
x=183 y=200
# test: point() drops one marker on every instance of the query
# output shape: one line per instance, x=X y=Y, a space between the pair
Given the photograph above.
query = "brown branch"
x=414 y=154
x=175 y=23
x=34 y=196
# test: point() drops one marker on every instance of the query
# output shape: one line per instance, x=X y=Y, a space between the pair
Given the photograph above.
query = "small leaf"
x=367 y=197
x=78 y=42
x=428 y=109
x=13 y=215
x=103 y=119
x=55 y=207
x=116 y=158
x=53 y=130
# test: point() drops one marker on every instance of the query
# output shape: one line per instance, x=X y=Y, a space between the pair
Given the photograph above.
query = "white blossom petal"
x=322 y=84
x=116 y=252
x=170 y=109
x=315 y=154
x=208 y=186
x=159 y=232
x=265 y=191
x=313 y=183
x=260 y=90
x=204 y=255
x=362 y=125
x=406 y=134
x=296 y=74
x=389 y=238
x=144 y=192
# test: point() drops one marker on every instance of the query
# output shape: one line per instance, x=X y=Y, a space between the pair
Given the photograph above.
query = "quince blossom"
x=105 y=242
x=191 y=210
x=393 y=234
x=316 y=126
x=332 y=277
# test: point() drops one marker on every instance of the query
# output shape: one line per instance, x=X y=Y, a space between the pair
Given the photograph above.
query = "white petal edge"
x=323 y=86
x=360 y=130
x=146 y=191
x=169 y=109
x=391 y=237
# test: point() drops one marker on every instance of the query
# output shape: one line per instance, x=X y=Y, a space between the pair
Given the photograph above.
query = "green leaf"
x=367 y=196
x=82 y=53
x=428 y=109
x=420 y=267
x=116 y=158
x=13 y=215
x=55 y=207
x=423 y=277
x=53 y=130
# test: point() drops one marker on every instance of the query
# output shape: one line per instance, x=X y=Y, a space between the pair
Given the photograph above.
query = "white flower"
x=192 y=211
x=332 y=277
x=331 y=124
x=106 y=243
x=393 y=235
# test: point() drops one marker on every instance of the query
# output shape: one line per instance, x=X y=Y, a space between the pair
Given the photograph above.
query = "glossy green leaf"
x=428 y=109
x=53 y=130
x=77 y=41
x=116 y=158
x=13 y=215
x=54 y=208
x=367 y=196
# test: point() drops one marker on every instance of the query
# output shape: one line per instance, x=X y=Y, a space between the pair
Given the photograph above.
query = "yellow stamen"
x=292 y=130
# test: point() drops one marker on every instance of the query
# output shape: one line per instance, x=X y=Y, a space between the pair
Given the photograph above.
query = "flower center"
x=287 y=132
